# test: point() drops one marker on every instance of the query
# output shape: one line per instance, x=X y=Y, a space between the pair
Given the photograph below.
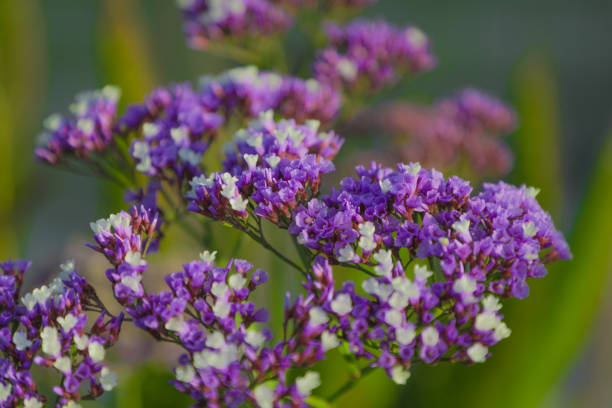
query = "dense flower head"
x=462 y=131
x=214 y=20
x=174 y=129
x=372 y=55
x=276 y=165
x=249 y=91
x=498 y=238
x=88 y=130
x=49 y=327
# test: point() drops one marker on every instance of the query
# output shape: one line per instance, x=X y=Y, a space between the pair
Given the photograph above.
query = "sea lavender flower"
x=174 y=129
x=371 y=55
x=49 y=327
x=462 y=131
x=276 y=165
x=88 y=130
x=214 y=20
x=500 y=237
x=249 y=91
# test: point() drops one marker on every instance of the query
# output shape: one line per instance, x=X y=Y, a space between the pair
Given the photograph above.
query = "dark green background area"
x=551 y=59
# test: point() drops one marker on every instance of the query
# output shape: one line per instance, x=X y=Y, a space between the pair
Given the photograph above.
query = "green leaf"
x=148 y=388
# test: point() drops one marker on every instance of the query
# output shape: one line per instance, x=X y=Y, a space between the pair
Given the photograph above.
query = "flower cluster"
x=49 y=327
x=372 y=55
x=461 y=131
x=276 y=165
x=249 y=91
x=214 y=20
x=497 y=239
x=174 y=129
x=89 y=129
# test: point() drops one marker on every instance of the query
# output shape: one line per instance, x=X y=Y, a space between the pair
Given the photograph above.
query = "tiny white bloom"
x=317 y=316
x=413 y=168
x=394 y=318
x=219 y=289
x=273 y=160
x=81 y=341
x=255 y=338
x=175 y=323
x=63 y=364
x=108 y=379
x=237 y=281
x=486 y=321
x=71 y=404
x=68 y=322
x=215 y=340
x=385 y=262
x=346 y=254
x=239 y=204
x=462 y=227
x=342 y=304
x=50 y=341
x=86 y=125
x=208 y=256
x=96 y=351
x=465 y=286
x=430 y=336
x=399 y=375
x=307 y=383
x=264 y=396
x=347 y=69
x=385 y=185
x=329 y=340
x=444 y=241
x=185 y=373
x=405 y=335
x=150 y=130
x=132 y=282
x=398 y=301
x=32 y=403
x=529 y=229
x=5 y=392
x=477 y=352
x=501 y=331
x=250 y=159
x=532 y=192
x=221 y=309
x=20 y=339
x=491 y=304
x=179 y=135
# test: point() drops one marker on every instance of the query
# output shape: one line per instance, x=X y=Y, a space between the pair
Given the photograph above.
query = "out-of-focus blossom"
x=249 y=91
x=371 y=55
x=88 y=130
x=458 y=132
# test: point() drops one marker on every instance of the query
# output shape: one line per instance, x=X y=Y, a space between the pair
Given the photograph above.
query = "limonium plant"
x=433 y=257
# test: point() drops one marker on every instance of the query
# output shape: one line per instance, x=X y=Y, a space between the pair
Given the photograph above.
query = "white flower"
x=399 y=375
x=5 y=392
x=317 y=316
x=63 y=364
x=307 y=383
x=430 y=336
x=346 y=254
x=134 y=258
x=71 y=404
x=100 y=225
x=50 y=341
x=273 y=160
x=237 y=281
x=394 y=318
x=86 y=125
x=239 y=204
x=532 y=192
x=132 y=282
x=219 y=289
x=329 y=340
x=179 y=135
x=255 y=338
x=491 y=304
x=208 y=256
x=342 y=304
x=466 y=287
x=413 y=168
x=68 y=322
x=405 y=335
x=477 y=352
x=487 y=321
x=462 y=227
x=20 y=339
x=529 y=229
x=250 y=159
x=264 y=396
x=385 y=262
x=96 y=351
x=385 y=186
x=67 y=268
x=501 y=331
x=215 y=340
x=81 y=341
x=108 y=379
x=32 y=403
x=175 y=323
x=221 y=309
x=150 y=130
x=347 y=69
x=406 y=287
x=255 y=140
x=398 y=301
x=185 y=373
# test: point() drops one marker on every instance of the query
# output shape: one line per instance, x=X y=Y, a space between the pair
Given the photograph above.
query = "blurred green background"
x=550 y=59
